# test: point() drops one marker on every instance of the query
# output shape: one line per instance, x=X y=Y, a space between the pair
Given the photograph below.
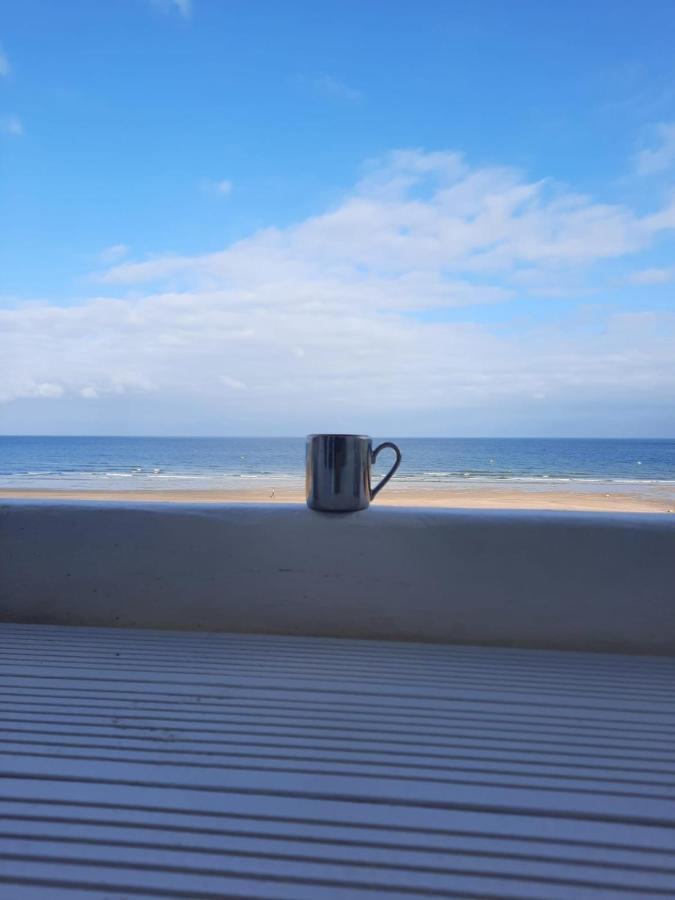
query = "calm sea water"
x=96 y=463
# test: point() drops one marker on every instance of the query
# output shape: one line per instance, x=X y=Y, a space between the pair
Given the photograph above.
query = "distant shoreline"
x=476 y=498
x=623 y=475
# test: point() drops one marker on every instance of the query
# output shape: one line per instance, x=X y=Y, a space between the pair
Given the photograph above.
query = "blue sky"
x=260 y=217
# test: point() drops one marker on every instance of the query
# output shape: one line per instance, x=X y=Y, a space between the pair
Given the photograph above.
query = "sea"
x=644 y=468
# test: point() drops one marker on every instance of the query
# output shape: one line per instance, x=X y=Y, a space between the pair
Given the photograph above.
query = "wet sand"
x=436 y=498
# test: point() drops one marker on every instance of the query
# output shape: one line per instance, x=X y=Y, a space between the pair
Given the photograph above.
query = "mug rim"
x=365 y=437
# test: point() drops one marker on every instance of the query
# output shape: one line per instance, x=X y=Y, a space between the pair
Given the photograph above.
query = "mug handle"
x=386 y=445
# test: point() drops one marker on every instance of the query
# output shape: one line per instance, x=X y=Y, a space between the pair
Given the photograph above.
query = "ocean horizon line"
x=282 y=437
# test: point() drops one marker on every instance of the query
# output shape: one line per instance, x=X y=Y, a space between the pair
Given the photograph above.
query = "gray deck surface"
x=192 y=765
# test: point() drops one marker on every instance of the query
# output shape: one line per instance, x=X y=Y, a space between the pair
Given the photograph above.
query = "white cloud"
x=48 y=389
x=333 y=88
x=4 y=65
x=654 y=276
x=652 y=160
x=182 y=7
x=12 y=125
x=351 y=312
x=353 y=363
x=222 y=188
x=113 y=254
x=426 y=229
x=233 y=383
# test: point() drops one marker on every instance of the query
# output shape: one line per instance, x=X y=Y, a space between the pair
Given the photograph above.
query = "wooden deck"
x=195 y=765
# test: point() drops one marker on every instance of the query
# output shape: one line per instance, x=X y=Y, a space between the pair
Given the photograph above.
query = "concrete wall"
x=536 y=579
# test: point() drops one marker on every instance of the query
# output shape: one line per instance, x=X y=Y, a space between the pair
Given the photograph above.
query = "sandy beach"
x=436 y=498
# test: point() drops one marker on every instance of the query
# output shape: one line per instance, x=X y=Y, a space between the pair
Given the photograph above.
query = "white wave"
x=641 y=480
x=156 y=475
x=533 y=479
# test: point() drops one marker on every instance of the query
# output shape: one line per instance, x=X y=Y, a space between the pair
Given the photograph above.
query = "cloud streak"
x=12 y=126
x=427 y=226
x=222 y=188
x=113 y=254
x=654 y=276
x=334 y=89
x=182 y=7
x=661 y=157
x=356 y=310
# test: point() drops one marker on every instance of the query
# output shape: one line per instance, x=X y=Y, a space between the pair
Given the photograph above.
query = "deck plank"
x=164 y=764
